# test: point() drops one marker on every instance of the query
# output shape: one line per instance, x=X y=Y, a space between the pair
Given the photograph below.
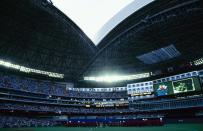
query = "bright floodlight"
x=29 y=70
x=116 y=78
x=198 y=61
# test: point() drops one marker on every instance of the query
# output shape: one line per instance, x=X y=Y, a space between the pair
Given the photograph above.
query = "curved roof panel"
x=37 y=35
x=119 y=17
x=163 y=34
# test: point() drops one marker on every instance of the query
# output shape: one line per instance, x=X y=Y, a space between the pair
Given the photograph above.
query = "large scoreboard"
x=178 y=86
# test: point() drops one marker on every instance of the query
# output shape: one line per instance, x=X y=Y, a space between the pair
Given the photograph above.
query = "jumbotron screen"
x=186 y=85
x=163 y=89
x=179 y=86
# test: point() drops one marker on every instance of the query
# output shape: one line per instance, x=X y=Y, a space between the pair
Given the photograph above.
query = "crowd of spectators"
x=32 y=85
x=16 y=122
x=19 y=122
x=168 y=104
x=59 y=109
x=108 y=95
x=134 y=107
x=52 y=88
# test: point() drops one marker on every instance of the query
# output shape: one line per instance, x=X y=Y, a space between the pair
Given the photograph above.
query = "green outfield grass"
x=168 y=127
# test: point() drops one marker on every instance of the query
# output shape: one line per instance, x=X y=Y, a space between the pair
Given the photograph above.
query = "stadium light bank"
x=116 y=78
x=29 y=70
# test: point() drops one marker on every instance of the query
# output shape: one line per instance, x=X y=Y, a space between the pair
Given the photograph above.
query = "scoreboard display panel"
x=179 y=86
x=186 y=85
x=164 y=88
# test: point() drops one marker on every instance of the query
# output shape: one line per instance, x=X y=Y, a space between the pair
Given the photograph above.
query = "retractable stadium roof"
x=37 y=35
x=161 y=35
